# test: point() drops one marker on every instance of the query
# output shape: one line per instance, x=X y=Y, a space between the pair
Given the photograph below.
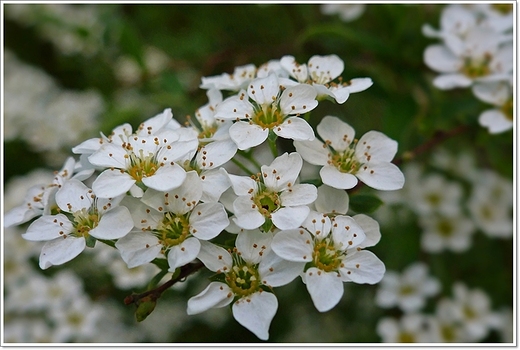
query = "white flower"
x=410 y=328
x=320 y=72
x=145 y=159
x=444 y=326
x=267 y=106
x=246 y=270
x=495 y=219
x=275 y=198
x=345 y=159
x=478 y=57
x=83 y=217
x=171 y=223
x=331 y=249
x=499 y=94
x=347 y=12
x=409 y=290
x=435 y=194
x=446 y=232
x=241 y=76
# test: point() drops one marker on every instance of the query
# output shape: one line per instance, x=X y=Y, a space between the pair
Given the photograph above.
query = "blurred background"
x=73 y=70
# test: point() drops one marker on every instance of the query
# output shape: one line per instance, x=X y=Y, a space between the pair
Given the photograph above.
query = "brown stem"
x=155 y=293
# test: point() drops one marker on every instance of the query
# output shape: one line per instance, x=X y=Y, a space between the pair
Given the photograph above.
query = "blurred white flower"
x=500 y=95
x=410 y=328
x=446 y=232
x=443 y=326
x=407 y=290
x=434 y=193
x=347 y=12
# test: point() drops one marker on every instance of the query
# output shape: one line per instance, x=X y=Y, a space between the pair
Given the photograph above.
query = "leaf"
x=364 y=203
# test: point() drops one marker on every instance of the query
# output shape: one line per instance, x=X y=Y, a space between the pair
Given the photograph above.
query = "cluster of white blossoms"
x=163 y=193
x=476 y=51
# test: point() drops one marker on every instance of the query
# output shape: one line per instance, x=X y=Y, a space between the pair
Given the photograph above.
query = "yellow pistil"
x=325 y=257
x=142 y=166
x=268 y=117
x=173 y=230
x=243 y=280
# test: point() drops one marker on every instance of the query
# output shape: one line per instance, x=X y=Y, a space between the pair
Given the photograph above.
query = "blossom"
x=446 y=232
x=331 y=249
x=266 y=107
x=320 y=72
x=443 y=326
x=410 y=328
x=249 y=271
x=274 y=198
x=500 y=95
x=409 y=290
x=434 y=193
x=241 y=76
x=347 y=12
x=145 y=159
x=171 y=224
x=83 y=218
x=345 y=160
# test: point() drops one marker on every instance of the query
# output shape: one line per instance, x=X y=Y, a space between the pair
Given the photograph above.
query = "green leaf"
x=90 y=241
x=364 y=203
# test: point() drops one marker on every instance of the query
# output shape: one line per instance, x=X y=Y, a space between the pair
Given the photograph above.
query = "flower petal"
x=331 y=176
x=61 y=250
x=264 y=90
x=109 y=155
x=331 y=200
x=48 y=227
x=246 y=216
x=312 y=151
x=375 y=146
x=182 y=199
x=247 y=135
x=214 y=183
x=112 y=183
x=208 y=220
x=298 y=99
x=441 y=59
x=371 y=229
x=216 y=294
x=325 y=288
x=346 y=233
x=359 y=84
x=451 y=81
x=73 y=195
x=216 y=153
x=234 y=107
x=138 y=248
x=362 y=267
x=289 y=218
x=337 y=132
x=253 y=245
x=381 y=176
x=323 y=69
x=166 y=178
x=300 y=194
x=183 y=253
x=215 y=258
x=292 y=245
x=284 y=170
x=255 y=312
x=275 y=271
x=113 y=224
x=295 y=128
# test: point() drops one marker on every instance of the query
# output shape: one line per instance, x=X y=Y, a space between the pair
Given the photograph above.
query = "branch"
x=155 y=293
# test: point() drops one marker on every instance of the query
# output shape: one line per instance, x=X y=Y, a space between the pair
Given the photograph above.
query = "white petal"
x=264 y=90
x=452 y=81
x=325 y=288
x=494 y=93
x=109 y=155
x=297 y=71
x=377 y=146
x=346 y=233
x=112 y=183
x=440 y=59
x=48 y=227
x=216 y=293
x=182 y=199
x=255 y=312
x=138 y=248
x=183 y=253
x=73 y=196
x=216 y=153
x=339 y=133
x=293 y=245
x=253 y=245
x=155 y=123
x=298 y=99
x=289 y=218
x=166 y=178
x=61 y=250
x=242 y=185
x=246 y=216
x=215 y=258
x=276 y=272
x=323 y=69
x=364 y=267
x=331 y=200
x=284 y=170
x=312 y=151
x=371 y=229
x=295 y=128
x=359 y=84
x=113 y=224
x=300 y=194
x=318 y=224
x=331 y=176
x=214 y=183
x=234 y=108
x=340 y=93
x=495 y=121
x=208 y=220
x=247 y=135
x=381 y=176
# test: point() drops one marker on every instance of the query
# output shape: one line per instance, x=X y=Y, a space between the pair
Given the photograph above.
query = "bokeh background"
x=73 y=70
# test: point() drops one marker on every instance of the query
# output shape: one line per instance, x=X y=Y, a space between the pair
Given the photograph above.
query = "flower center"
x=503 y=8
x=445 y=228
x=267 y=202
x=173 y=230
x=268 y=117
x=243 y=280
x=142 y=166
x=475 y=68
x=507 y=109
x=405 y=337
x=207 y=132
x=448 y=333
x=326 y=257
x=84 y=221
x=406 y=290
x=345 y=161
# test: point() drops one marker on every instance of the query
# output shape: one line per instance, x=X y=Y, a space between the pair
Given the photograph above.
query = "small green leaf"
x=90 y=241
x=145 y=308
x=364 y=203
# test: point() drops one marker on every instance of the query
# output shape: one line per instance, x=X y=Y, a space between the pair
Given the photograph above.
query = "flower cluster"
x=476 y=51
x=165 y=193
